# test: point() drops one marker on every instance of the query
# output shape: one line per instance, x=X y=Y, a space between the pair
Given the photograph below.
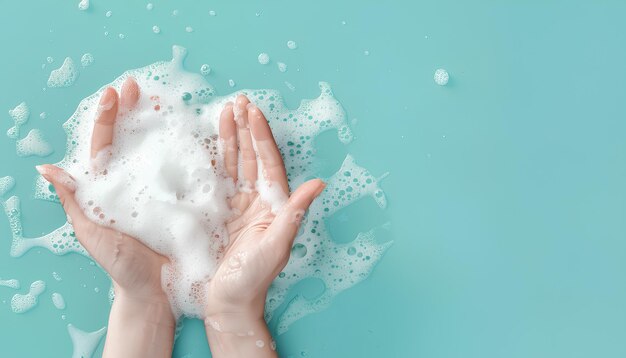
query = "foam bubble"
x=292 y=45
x=282 y=67
x=84 y=343
x=12 y=283
x=188 y=29
x=49 y=59
x=56 y=276
x=149 y=6
x=23 y=303
x=108 y=13
x=33 y=144
x=264 y=58
x=205 y=69
x=86 y=60
x=20 y=115
x=156 y=29
x=231 y=82
x=83 y=5
x=58 y=301
x=43 y=115
x=65 y=75
x=441 y=77
x=6 y=183
x=212 y=13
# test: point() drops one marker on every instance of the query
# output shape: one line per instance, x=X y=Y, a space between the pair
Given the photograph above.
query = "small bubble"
x=121 y=36
x=282 y=67
x=50 y=59
x=189 y=29
x=366 y=52
x=212 y=13
x=205 y=69
x=441 y=77
x=264 y=58
x=156 y=29
x=43 y=115
x=109 y=13
x=298 y=250
x=260 y=343
x=231 y=83
x=175 y=13
x=150 y=6
x=292 y=45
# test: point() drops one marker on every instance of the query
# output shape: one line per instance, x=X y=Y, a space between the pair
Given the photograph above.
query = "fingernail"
x=41 y=169
x=320 y=189
x=107 y=100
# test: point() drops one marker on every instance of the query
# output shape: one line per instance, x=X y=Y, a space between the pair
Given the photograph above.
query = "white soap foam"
x=86 y=60
x=33 y=144
x=205 y=69
x=65 y=75
x=56 y=276
x=6 y=183
x=282 y=67
x=264 y=58
x=338 y=266
x=441 y=77
x=11 y=283
x=58 y=301
x=20 y=115
x=21 y=303
x=84 y=343
x=292 y=45
x=83 y=5
x=156 y=29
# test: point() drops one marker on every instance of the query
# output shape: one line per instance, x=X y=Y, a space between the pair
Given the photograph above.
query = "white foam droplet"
x=149 y=6
x=33 y=144
x=156 y=29
x=231 y=83
x=6 y=183
x=441 y=77
x=212 y=13
x=83 y=5
x=11 y=283
x=58 y=301
x=65 y=75
x=264 y=58
x=108 y=13
x=86 y=60
x=205 y=69
x=282 y=67
x=22 y=303
x=292 y=45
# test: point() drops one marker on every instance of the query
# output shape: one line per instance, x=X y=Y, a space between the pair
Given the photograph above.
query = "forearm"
x=231 y=336
x=139 y=329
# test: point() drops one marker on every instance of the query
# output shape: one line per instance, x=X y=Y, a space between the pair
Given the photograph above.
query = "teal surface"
x=507 y=197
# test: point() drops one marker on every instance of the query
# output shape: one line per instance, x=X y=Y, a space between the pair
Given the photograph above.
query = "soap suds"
x=58 y=301
x=264 y=58
x=83 y=5
x=20 y=115
x=184 y=95
x=6 y=183
x=11 y=283
x=84 y=343
x=33 y=144
x=21 y=303
x=65 y=75
x=86 y=60
x=282 y=67
x=292 y=45
x=441 y=77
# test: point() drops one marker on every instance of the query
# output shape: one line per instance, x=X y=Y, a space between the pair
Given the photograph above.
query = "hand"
x=141 y=307
x=260 y=240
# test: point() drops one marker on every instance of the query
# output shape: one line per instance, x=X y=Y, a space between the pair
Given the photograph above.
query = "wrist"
x=154 y=311
x=239 y=335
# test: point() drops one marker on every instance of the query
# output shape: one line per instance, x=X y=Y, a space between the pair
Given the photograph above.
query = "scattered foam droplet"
x=56 y=276
x=6 y=183
x=189 y=29
x=366 y=52
x=231 y=83
x=290 y=86
x=121 y=36
x=343 y=22
x=175 y=13
x=282 y=67
x=43 y=115
x=50 y=59
x=83 y=5
x=86 y=60
x=108 y=13
x=260 y=343
x=264 y=58
x=156 y=29
x=58 y=301
x=33 y=144
x=441 y=77
x=20 y=113
x=212 y=13
x=149 y=6
x=12 y=283
x=85 y=343
x=65 y=75
x=205 y=69
x=292 y=45
x=23 y=303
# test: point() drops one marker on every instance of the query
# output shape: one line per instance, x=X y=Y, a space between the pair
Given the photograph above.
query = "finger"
x=285 y=226
x=228 y=135
x=272 y=161
x=129 y=94
x=103 y=128
x=248 y=155
x=65 y=186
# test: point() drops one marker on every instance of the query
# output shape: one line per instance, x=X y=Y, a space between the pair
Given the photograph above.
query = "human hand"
x=141 y=307
x=260 y=240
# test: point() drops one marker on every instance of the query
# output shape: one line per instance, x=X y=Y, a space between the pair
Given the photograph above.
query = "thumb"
x=285 y=226
x=65 y=186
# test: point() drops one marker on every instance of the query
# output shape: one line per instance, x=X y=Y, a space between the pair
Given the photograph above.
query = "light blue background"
x=507 y=199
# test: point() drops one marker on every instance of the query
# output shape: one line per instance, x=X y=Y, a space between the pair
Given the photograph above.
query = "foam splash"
x=22 y=303
x=65 y=75
x=58 y=301
x=339 y=266
x=86 y=60
x=20 y=115
x=84 y=343
x=6 y=183
x=11 y=283
x=33 y=144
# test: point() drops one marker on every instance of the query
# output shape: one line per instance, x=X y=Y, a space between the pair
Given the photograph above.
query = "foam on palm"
x=164 y=184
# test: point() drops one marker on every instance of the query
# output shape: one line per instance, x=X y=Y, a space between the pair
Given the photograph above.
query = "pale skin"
x=141 y=323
